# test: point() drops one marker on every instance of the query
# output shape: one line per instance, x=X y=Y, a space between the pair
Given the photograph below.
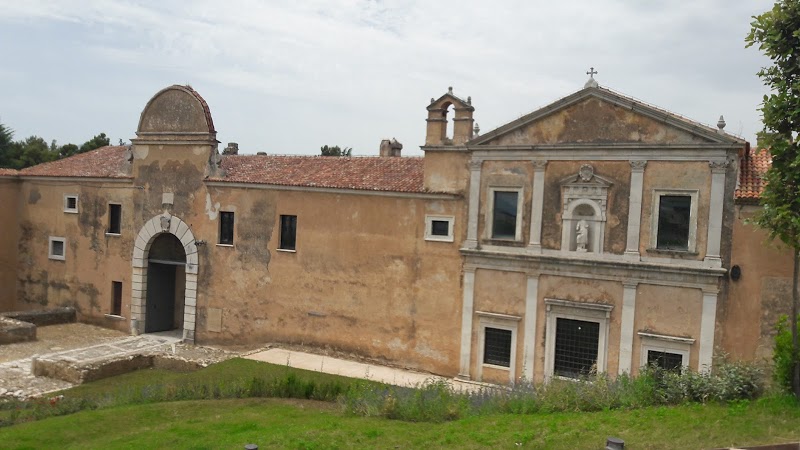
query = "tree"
x=6 y=139
x=30 y=152
x=101 y=140
x=335 y=151
x=776 y=34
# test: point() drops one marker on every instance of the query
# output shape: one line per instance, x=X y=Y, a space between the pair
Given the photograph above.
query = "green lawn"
x=301 y=424
x=125 y=419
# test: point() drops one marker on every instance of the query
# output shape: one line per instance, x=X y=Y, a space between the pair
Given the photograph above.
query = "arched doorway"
x=166 y=282
x=175 y=255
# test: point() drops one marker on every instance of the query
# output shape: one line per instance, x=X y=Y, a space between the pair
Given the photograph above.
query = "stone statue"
x=582 y=236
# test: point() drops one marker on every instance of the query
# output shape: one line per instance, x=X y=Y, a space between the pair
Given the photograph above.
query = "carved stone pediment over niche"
x=583 y=211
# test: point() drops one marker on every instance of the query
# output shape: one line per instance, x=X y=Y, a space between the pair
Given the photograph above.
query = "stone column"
x=466 y=322
x=635 y=209
x=626 y=327
x=708 y=321
x=718 y=170
x=474 y=203
x=535 y=243
x=529 y=348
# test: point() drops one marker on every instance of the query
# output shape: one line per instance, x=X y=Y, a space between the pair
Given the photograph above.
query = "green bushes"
x=782 y=355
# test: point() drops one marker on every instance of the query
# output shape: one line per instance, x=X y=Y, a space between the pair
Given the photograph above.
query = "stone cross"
x=591 y=72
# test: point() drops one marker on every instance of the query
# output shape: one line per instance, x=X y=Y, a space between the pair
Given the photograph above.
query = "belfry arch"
x=153 y=229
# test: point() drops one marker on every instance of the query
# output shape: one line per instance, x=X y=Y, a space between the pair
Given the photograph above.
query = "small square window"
x=669 y=361
x=226 y=228
x=439 y=228
x=288 y=232
x=57 y=247
x=116 y=298
x=497 y=347
x=114 y=218
x=71 y=203
x=667 y=352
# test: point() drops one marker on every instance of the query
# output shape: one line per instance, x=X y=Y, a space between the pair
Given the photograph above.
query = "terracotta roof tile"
x=751 y=171
x=105 y=162
x=363 y=173
x=8 y=172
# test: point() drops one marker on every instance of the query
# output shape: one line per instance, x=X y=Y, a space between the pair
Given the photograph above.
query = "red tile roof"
x=105 y=162
x=751 y=171
x=394 y=174
x=8 y=172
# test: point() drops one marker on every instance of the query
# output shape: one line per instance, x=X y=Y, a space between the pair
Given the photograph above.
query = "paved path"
x=16 y=379
x=353 y=369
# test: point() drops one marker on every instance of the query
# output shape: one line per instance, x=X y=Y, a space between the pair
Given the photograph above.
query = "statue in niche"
x=582 y=236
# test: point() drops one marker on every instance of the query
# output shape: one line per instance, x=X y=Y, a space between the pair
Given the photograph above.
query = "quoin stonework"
x=598 y=233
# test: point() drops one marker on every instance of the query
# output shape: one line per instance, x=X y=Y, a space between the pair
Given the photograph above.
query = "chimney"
x=231 y=149
x=390 y=147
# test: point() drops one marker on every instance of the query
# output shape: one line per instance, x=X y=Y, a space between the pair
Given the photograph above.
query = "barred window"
x=665 y=360
x=576 y=347
x=497 y=347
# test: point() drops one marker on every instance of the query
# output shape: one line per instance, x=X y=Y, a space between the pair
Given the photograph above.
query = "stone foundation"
x=12 y=330
x=79 y=373
x=55 y=316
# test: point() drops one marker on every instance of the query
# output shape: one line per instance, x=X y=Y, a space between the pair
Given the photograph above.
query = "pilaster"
x=529 y=345
x=537 y=205
x=708 y=321
x=466 y=322
x=635 y=209
x=718 y=170
x=626 y=327
x=474 y=203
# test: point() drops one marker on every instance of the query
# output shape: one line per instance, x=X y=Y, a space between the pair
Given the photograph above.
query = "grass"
x=302 y=424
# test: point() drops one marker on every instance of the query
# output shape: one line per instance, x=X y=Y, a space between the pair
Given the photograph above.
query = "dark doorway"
x=165 y=284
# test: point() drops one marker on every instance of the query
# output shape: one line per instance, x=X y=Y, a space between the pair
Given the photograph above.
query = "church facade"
x=593 y=235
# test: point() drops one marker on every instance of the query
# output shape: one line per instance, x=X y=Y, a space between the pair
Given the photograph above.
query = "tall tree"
x=6 y=139
x=777 y=34
x=335 y=151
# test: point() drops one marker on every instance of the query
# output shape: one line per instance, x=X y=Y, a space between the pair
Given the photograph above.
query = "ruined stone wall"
x=9 y=231
x=93 y=258
x=761 y=295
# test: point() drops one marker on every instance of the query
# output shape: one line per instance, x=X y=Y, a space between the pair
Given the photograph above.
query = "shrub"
x=782 y=355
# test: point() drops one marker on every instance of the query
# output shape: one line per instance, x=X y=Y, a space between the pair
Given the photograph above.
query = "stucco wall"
x=9 y=197
x=761 y=295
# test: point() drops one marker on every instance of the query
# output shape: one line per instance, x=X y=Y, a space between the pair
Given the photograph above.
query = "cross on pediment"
x=591 y=72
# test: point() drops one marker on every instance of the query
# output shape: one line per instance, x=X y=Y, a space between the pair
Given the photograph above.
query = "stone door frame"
x=163 y=223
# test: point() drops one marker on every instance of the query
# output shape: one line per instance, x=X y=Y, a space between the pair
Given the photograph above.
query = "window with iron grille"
x=665 y=360
x=288 y=232
x=497 y=347
x=226 y=228
x=576 y=347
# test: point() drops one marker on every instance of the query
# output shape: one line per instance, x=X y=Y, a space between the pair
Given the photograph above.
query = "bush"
x=782 y=355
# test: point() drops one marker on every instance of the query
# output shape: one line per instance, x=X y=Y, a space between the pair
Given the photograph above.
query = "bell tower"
x=437 y=120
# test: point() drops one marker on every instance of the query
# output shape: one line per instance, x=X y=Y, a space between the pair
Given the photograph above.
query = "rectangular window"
x=439 y=228
x=674 y=222
x=116 y=298
x=226 y=228
x=57 y=247
x=505 y=223
x=288 y=232
x=497 y=347
x=114 y=218
x=665 y=360
x=576 y=347
x=71 y=203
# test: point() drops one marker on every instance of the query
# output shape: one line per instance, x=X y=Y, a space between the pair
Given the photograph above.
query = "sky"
x=287 y=77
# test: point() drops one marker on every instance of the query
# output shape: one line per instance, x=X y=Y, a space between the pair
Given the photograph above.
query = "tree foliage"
x=34 y=150
x=335 y=151
x=777 y=34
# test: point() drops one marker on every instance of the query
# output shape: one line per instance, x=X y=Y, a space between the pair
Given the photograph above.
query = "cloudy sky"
x=287 y=77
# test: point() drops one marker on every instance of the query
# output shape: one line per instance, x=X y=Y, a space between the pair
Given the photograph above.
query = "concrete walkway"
x=354 y=369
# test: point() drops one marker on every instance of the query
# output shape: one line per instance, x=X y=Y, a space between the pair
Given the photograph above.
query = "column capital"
x=630 y=284
x=638 y=165
x=539 y=164
x=475 y=164
x=719 y=166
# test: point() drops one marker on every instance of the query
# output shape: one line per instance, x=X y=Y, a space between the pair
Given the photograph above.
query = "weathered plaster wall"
x=9 y=233
x=446 y=171
x=617 y=207
x=679 y=175
x=761 y=295
x=595 y=120
x=670 y=311
x=362 y=279
x=93 y=258
x=505 y=174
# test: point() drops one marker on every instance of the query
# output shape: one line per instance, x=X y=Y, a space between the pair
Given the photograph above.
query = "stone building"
x=593 y=234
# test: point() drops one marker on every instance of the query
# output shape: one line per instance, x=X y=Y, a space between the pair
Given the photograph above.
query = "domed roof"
x=176 y=109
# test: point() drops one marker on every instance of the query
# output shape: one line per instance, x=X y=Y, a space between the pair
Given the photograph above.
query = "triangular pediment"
x=596 y=115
